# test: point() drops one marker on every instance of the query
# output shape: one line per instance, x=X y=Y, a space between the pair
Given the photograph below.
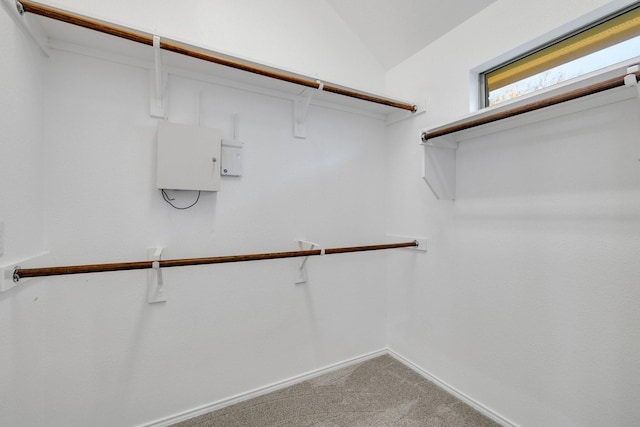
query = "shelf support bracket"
x=439 y=166
x=300 y=109
x=421 y=242
x=158 y=79
x=9 y=277
x=631 y=80
x=16 y=11
x=301 y=270
x=155 y=285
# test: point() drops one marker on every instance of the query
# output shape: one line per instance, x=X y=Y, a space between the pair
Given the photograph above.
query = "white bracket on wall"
x=422 y=242
x=8 y=279
x=631 y=80
x=439 y=166
x=15 y=9
x=158 y=79
x=155 y=285
x=402 y=115
x=300 y=109
x=301 y=269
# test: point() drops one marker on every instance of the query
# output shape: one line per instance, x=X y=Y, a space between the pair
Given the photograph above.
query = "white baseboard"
x=183 y=416
x=312 y=374
x=453 y=391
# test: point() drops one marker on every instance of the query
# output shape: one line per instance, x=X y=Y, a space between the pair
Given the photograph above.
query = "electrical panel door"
x=188 y=157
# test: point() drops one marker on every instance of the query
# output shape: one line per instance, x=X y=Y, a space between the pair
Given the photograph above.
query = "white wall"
x=88 y=349
x=303 y=36
x=526 y=300
x=21 y=208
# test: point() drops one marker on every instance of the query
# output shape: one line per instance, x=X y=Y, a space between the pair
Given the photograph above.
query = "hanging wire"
x=168 y=199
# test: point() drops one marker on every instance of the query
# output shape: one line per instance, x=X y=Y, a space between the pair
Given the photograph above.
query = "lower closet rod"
x=140 y=265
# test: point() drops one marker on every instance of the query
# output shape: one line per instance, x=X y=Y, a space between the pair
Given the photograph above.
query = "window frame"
x=483 y=93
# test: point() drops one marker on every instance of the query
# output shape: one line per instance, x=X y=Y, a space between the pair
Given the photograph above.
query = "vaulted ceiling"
x=393 y=30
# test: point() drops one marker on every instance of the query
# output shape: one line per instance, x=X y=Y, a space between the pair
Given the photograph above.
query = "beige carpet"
x=377 y=392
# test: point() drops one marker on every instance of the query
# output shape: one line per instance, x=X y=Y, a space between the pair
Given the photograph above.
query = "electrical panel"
x=188 y=157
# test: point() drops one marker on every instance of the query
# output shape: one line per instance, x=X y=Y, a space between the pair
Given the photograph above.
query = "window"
x=612 y=40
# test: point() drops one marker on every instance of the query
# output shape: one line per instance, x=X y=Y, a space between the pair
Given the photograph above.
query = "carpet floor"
x=377 y=392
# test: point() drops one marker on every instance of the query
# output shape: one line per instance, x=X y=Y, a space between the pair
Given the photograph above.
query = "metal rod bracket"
x=421 y=242
x=439 y=166
x=155 y=285
x=300 y=109
x=301 y=270
x=632 y=80
x=9 y=273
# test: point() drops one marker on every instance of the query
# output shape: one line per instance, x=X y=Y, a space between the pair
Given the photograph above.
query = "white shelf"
x=57 y=35
x=439 y=164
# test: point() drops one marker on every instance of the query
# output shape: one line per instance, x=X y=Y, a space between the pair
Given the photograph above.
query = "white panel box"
x=231 y=158
x=188 y=157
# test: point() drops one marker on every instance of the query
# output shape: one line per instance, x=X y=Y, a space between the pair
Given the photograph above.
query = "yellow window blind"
x=601 y=36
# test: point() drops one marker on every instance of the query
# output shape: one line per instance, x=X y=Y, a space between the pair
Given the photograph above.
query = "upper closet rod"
x=532 y=106
x=138 y=37
x=20 y=273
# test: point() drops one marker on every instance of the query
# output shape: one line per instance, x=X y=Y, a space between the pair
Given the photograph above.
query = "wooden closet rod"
x=20 y=273
x=532 y=106
x=139 y=37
